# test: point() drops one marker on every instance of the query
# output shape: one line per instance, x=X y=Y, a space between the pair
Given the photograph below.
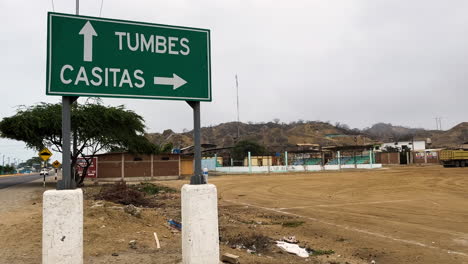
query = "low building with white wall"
x=418 y=145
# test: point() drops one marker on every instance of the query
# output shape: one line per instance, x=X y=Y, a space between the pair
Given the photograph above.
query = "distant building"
x=400 y=145
x=259 y=161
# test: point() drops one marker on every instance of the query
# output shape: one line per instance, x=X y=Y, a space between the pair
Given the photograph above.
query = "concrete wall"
x=209 y=163
x=332 y=167
x=298 y=168
x=369 y=166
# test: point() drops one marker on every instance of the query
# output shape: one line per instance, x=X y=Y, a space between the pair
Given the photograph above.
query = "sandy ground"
x=397 y=215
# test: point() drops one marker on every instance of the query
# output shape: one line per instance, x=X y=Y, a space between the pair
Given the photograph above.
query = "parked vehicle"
x=454 y=158
x=44 y=172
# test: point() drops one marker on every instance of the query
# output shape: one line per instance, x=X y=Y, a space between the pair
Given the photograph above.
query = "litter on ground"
x=293 y=249
x=175 y=224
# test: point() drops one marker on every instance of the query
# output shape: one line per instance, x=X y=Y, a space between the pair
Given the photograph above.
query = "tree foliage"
x=7 y=169
x=33 y=163
x=241 y=149
x=95 y=128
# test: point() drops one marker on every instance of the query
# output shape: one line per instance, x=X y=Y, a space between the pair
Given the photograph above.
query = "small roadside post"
x=100 y=57
x=56 y=164
x=45 y=155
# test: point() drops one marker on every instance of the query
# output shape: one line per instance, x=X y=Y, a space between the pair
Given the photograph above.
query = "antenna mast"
x=238 y=118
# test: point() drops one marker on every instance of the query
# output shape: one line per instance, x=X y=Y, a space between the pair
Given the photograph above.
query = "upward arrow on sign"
x=88 y=32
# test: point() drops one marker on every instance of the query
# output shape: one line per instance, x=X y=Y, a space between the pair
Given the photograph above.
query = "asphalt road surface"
x=9 y=181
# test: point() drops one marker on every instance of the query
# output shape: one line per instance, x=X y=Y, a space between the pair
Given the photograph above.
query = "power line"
x=100 y=11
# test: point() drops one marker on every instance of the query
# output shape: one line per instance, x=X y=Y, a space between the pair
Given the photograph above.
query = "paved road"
x=9 y=181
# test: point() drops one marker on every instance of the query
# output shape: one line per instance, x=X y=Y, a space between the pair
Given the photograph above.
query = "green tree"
x=7 y=169
x=95 y=128
x=241 y=149
x=33 y=163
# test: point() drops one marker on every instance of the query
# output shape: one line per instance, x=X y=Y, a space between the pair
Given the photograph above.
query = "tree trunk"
x=83 y=175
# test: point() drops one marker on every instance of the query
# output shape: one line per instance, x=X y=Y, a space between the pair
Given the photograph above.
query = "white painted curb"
x=200 y=237
x=62 y=227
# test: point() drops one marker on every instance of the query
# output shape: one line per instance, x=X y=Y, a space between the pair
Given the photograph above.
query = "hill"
x=273 y=135
x=389 y=132
x=277 y=135
x=451 y=138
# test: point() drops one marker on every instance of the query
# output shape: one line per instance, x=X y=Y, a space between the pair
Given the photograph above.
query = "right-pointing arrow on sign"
x=175 y=81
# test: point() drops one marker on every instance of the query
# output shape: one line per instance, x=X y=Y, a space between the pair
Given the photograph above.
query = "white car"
x=44 y=172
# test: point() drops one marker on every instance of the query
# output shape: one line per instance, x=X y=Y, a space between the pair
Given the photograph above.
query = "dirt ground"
x=392 y=215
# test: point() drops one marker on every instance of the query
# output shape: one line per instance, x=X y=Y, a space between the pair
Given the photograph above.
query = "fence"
x=285 y=162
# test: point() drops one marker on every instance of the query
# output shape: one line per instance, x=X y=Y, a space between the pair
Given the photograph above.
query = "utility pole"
x=67 y=181
x=438 y=123
x=197 y=178
x=238 y=118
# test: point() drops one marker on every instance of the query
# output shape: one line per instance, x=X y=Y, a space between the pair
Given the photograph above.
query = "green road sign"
x=98 y=57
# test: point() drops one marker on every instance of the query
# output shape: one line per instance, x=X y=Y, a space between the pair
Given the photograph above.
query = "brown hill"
x=451 y=138
x=272 y=135
x=279 y=135
x=389 y=132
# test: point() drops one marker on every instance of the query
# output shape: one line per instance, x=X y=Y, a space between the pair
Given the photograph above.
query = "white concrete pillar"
x=62 y=227
x=200 y=237
x=286 y=160
x=339 y=159
x=250 y=162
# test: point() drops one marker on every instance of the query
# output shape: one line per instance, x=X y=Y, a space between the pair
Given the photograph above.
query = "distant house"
x=400 y=145
x=259 y=161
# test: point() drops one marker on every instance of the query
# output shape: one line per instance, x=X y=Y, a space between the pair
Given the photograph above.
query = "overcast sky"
x=354 y=62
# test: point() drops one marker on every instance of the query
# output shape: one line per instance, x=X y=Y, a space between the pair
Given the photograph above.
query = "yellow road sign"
x=56 y=164
x=45 y=154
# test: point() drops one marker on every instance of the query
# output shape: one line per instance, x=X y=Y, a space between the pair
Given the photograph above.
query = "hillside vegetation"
x=275 y=134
